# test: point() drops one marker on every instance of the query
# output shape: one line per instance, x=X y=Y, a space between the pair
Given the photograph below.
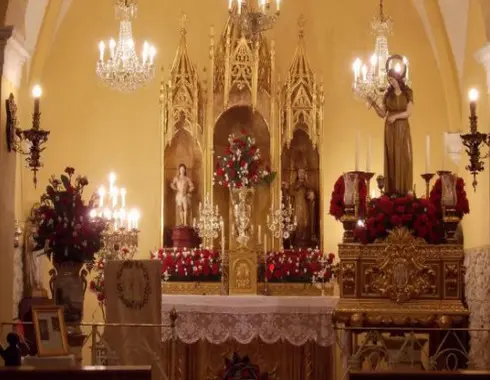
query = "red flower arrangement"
x=416 y=214
x=96 y=286
x=189 y=265
x=298 y=266
x=462 y=203
x=241 y=164
x=337 y=205
x=65 y=230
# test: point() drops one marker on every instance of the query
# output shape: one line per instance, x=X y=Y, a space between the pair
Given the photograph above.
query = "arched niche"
x=301 y=155
x=232 y=121
x=184 y=149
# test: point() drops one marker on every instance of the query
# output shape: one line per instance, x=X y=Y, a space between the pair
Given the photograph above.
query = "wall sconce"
x=474 y=140
x=34 y=137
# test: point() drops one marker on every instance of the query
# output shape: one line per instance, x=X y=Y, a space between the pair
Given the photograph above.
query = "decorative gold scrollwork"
x=401 y=273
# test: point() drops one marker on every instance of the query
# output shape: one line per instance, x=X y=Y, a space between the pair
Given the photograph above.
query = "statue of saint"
x=396 y=109
x=303 y=199
x=183 y=187
x=32 y=261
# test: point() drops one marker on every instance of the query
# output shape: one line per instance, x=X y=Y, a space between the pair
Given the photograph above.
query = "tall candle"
x=358 y=148
x=259 y=234
x=222 y=241
x=368 y=156
x=36 y=93
x=123 y=197
x=265 y=245
x=427 y=154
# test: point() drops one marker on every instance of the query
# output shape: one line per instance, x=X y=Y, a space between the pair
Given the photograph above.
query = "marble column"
x=477 y=281
x=12 y=58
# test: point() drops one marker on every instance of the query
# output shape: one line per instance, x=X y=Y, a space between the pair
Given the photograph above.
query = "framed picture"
x=50 y=330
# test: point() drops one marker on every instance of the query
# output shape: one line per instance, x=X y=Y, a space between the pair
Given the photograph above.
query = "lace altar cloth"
x=217 y=319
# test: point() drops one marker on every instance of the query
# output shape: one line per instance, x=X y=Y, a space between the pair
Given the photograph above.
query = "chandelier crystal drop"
x=123 y=70
x=254 y=20
x=370 y=80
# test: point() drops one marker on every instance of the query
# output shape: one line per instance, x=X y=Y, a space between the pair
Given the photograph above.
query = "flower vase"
x=68 y=284
x=241 y=200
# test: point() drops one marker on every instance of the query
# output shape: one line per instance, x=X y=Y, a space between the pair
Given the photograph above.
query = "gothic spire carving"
x=303 y=103
x=182 y=94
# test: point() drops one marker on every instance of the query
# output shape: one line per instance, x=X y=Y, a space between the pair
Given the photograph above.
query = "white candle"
x=358 y=148
x=239 y=7
x=259 y=234
x=112 y=47
x=230 y=3
x=115 y=192
x=101 y=50
x=405 y=61
x=265 y=245
x=278 y=5
x=222 y=240
x=101 y=196
x=364 y=72
x=427 y=154
x=444 y=151
x=368 y=156
x=123 y=197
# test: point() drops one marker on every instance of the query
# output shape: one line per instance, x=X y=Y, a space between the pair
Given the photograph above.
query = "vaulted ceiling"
x=453 y=12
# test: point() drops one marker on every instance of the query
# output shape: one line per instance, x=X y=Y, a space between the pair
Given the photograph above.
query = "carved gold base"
x=294 y=289
x=423 y=313
x=193 y=288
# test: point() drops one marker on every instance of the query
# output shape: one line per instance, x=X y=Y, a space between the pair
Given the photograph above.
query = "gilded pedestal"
x=402 y=281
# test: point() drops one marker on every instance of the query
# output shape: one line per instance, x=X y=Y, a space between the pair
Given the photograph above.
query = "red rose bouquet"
x=241 y=165
x=300 y=265
x=387 y=213
x=337 y=205
x=65 y=230
x=189 y=265
x=462 y=203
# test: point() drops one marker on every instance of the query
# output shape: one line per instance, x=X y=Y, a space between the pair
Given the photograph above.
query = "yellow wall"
x=476 y=225
x=97 y=130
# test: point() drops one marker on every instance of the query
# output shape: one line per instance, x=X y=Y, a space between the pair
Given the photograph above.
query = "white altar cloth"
x=244 y=318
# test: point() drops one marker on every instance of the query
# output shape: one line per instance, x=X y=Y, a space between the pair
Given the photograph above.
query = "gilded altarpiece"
x=182 y=115
x=243 y=91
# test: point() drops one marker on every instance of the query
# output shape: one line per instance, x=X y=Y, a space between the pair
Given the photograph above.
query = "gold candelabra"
x=474 y=141
x=209 y=223
x=122 y=229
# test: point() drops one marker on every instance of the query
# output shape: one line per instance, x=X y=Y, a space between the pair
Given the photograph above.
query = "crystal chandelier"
x=123 y=70
x=370 y=80
x=122 y=230
x=254 y=21
x=209 y=224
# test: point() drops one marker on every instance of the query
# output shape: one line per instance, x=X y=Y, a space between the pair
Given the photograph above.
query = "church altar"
x=289 y=336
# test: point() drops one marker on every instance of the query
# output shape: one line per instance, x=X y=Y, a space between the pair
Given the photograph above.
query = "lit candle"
x=262 y=5
x=101 y=196
x=239 y=7
x=222 y=224
x=473 y=97
x=101 y=50
x=230 y=4
x=265 y=245
x=358 y=148
x=357 y=68
x=368 y=156
x=427 y=154
x=36 y=93
x=259 y=234
x=364 y=72
x=123 y=197
x=405 y=61
x=112 y=47
x=146 y=49
x=374 y=61
x=153 y=52
x=136 y=218
x=112 y=180
x=115 y=192
x=278 y=6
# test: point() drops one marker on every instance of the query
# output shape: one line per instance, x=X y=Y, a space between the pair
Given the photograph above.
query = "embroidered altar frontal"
x=288 y=337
